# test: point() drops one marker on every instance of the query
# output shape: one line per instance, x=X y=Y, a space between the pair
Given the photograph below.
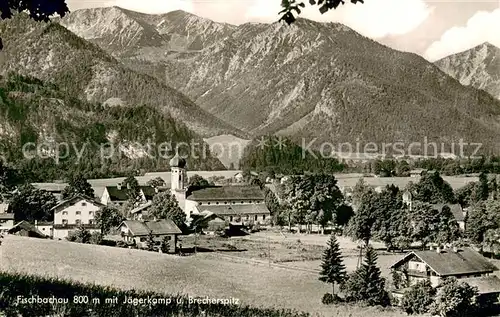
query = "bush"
x=455 y=299
x=96 y=238
x=418 y=299
x=121 y=244
x=330 y=299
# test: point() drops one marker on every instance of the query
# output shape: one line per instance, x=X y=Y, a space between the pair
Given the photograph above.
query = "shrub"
x=418 y=299
x=96 y=238
x=165 y=245
x=121 y=244
x=329 y=299
x=455 y=299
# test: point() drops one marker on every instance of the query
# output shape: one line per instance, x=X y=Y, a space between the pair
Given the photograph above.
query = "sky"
x=430 y=28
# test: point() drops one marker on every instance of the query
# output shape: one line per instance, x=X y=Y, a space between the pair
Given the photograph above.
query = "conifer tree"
x=150 y=242
x=366 y=283
x=332 y=266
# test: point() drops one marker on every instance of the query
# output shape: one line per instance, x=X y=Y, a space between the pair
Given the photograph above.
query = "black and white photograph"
x=249 y=158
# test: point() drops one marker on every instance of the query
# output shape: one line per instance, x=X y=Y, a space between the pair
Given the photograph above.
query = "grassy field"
x=206 y=274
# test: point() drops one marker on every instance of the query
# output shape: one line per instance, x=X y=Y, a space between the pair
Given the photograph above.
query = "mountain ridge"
x=478 y=67
x=51 y=52
x=322 y=81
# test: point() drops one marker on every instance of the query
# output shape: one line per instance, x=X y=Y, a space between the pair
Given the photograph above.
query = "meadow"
x=203 y=274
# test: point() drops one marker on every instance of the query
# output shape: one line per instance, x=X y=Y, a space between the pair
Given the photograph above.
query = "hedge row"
x=30 y=296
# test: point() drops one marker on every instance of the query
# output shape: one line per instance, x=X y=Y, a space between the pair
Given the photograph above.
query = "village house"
x=45 y=227
x=141 y=212
x=78 y=211
x=233 y=203
x=137 y=232
x=417 y=172
x=458 y=212
x=26 y=229
x=464 y=264
x=6 y=219
x=118 y=195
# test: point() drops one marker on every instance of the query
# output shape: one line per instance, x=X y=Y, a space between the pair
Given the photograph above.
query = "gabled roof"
x=68 y=202
x=485 y=284
x=448 y=262
x=158 y=227
x=141 y=207
x=235 y=209
x=149 y=192
x=227 y=193
x=24 y=225
x=455 y=209
x=116 y=194
x=6 y=216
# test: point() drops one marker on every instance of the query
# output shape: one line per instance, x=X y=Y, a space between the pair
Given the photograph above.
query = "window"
x=65 y=221
x=65 y=213
x=217 y=203
x=231 y=218
x=91 y=222
x=84 y=203
x=78 y=222
x=91 y=213
x=263 y=217
x=201 y=204
x=225 y=203
x=169 y=237
x=256 y=217
x=43 y=229
x=248 y=217
x=78 y=212
x=143 y=239
x=242 y=202
x=208 y=203
x=250 y=201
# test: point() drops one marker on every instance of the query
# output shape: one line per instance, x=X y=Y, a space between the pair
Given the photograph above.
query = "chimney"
x=431 y=247
x=455 y=249
x=438 y=249
x=119 y=186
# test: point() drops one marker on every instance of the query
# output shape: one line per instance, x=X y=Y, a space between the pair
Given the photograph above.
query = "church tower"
x=178 y=180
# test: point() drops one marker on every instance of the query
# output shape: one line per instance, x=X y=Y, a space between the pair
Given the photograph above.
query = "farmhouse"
x=26 y=229
x=464 y=264
x=233 y=203
x=118 y=194
x=458 y=212
x=6 y=219
x=136 y=232
x=73 y=213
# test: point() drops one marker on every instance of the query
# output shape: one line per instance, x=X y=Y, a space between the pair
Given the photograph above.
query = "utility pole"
x=195 y=238
x=269 y=250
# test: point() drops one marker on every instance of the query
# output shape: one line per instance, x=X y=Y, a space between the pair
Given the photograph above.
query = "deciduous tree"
x=108 y=217
x=454 y=299
x=32 y=204
x=165 y=206
x=78 y=184
x=291 y=8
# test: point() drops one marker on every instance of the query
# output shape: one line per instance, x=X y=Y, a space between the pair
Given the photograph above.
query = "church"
x=238 y=204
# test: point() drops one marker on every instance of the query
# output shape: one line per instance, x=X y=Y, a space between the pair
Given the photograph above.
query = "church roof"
x=227 y=193
x=177 y=161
